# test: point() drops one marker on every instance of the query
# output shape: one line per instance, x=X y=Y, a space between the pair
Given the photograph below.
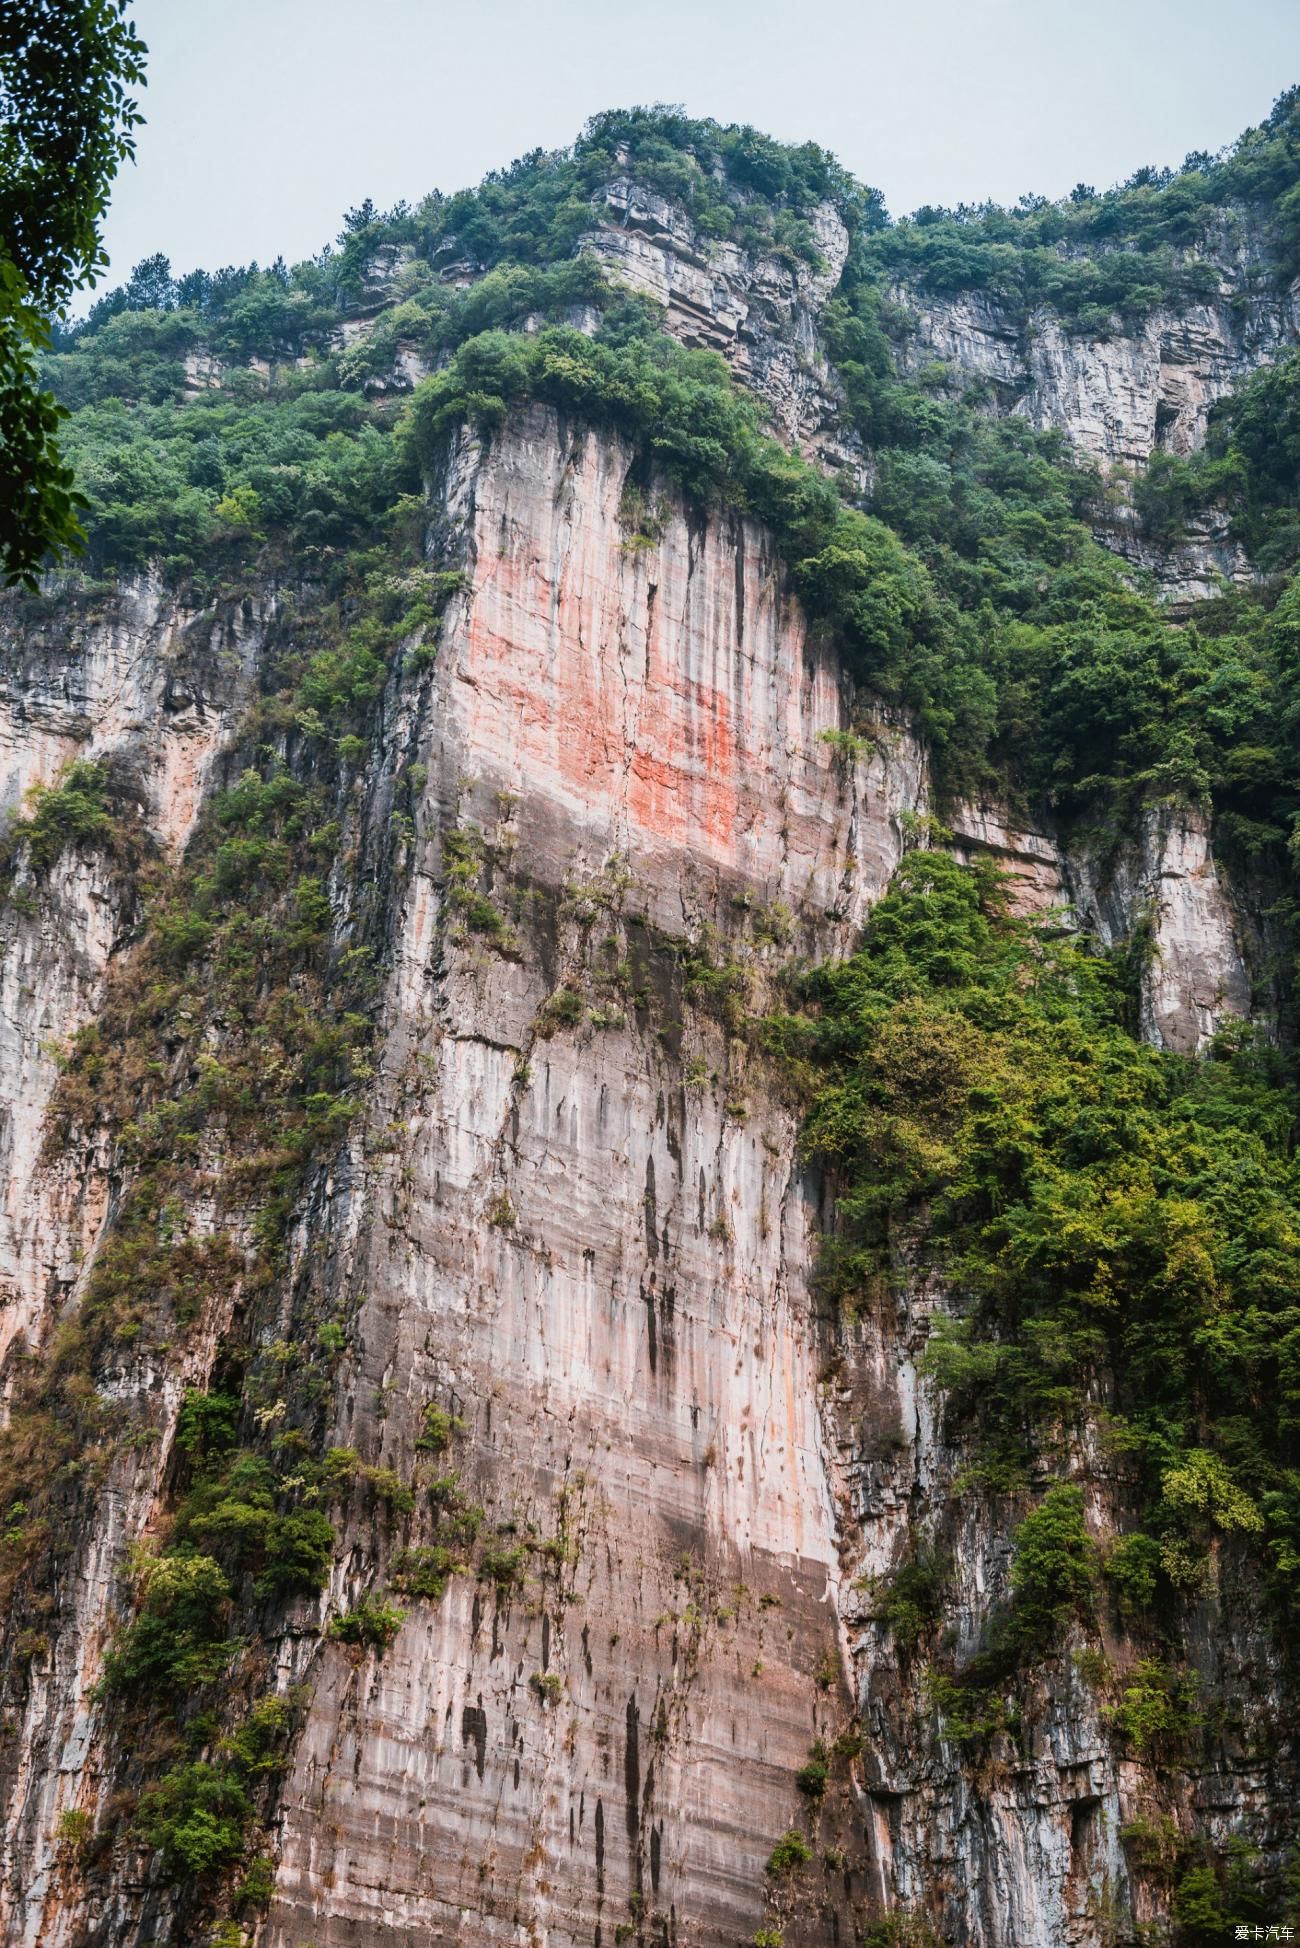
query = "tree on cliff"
x=66 y=115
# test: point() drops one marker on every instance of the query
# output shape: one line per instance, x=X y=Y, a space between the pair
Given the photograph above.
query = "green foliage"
x=563 y=1009
x=1157 y=1709
x=236 y=1512
x=178 y=1638
x=910 y=1602
x=66 y=122
x=1199 y=1913
x=1066 y=680
x=1017 y=642
x=207 y=1424
x=39 y=502
x=504 y=1567
x=1151 y=1845
x=790 y=1855
x=83 y=810
x=1122 y=1222
x=813 y=1778
x=196 y=1817
x=437 y=1429
x=199 y=1815
x=1132 y=1567
x=1253 y=456
x=967 y=1713
x=258 y=1885
x=299 y=1547
x=332 y=1339
x=256 y=1746
x=195 y=470
x=735 y=183
x=1053 y=1571
x=68 y=117
x=387 y=1487
x=1212 y=1886
x=176 y=484
x=74 y=1829
x=1204 y=1501
x=370 y=1625
x=459 y=1520
x=424 y=1572
x=1125 y=251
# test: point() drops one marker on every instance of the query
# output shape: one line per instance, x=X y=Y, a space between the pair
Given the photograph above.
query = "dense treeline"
x=1149 y=241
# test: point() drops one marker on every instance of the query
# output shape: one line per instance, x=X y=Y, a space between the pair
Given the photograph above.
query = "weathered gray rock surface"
x=590 y=1236
x=1123 y=396
x=585 y=1229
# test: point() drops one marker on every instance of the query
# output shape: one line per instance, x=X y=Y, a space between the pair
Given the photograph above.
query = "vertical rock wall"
x=594 y=1243
x=156 y=692
x=1123 y=395
x=573 y=1216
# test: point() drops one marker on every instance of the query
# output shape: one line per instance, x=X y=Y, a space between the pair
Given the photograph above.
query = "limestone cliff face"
x=573 y=1214
x=634 y=1352
x=1166 y=879
x=759 y=311
x=157 y=693
x=633 y=1347
x=1122 y=397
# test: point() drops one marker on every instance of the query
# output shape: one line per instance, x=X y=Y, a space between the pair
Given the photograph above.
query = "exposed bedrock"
x=572 y=1213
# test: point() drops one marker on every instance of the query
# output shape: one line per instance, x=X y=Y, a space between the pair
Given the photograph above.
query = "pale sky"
x=266 y=119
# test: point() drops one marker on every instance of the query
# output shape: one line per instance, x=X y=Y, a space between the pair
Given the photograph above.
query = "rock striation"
x=1137 y=390
x=592 y=1243
x=572 y=1216
x=760 y=311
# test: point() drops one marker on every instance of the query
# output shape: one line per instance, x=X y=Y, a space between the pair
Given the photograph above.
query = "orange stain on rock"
x=682 y=784
x=556 y=684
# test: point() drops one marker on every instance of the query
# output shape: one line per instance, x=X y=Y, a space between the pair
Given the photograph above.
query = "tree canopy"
x=66 y=118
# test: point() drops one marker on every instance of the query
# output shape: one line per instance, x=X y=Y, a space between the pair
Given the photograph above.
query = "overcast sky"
x=266 y=119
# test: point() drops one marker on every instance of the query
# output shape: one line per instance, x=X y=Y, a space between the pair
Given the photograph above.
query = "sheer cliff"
x=648 y=1237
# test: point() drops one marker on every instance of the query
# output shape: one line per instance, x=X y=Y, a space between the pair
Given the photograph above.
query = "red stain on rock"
x=650 y=699
x=682 y=784
x=562 y=677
